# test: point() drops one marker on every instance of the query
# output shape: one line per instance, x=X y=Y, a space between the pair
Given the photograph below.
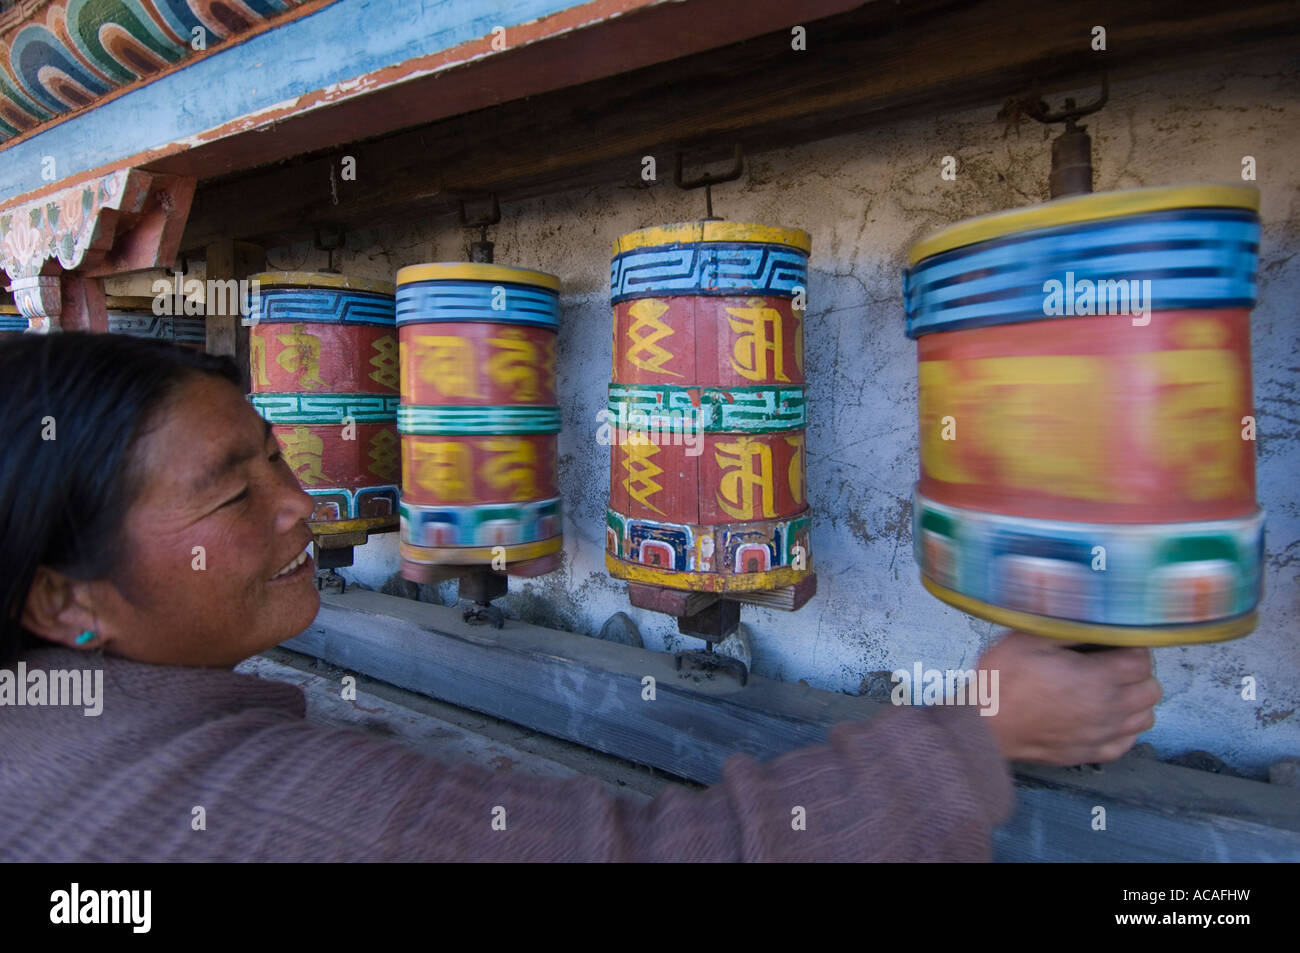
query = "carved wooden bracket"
x=128 y=220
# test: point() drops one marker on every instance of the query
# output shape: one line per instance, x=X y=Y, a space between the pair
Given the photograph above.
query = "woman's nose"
x=295 y=502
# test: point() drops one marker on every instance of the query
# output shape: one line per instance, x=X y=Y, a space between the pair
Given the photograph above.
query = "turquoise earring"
x=85 y=637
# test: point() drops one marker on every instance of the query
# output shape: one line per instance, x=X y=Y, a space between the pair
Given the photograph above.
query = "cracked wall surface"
x=866 y=198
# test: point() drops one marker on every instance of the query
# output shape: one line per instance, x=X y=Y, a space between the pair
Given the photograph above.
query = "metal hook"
x=708 y=180
x=1072 y=149
x=1070 y=112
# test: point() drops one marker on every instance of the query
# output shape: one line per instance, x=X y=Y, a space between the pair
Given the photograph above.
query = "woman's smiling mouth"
x=291 y=568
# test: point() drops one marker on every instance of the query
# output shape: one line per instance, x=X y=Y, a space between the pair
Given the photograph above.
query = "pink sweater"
x=911 y=784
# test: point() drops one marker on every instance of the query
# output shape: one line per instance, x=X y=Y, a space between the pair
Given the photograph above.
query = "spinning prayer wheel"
x=478 y=420
x=324 y=372
x=1086 y=418
x=134 y=315
x=707 y=410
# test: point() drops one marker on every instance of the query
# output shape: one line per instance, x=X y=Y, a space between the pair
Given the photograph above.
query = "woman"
x=154 y=537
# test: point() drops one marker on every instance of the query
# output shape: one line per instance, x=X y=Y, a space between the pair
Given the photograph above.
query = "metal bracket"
x=481 y=221
x=708 y=180
x=707 y=663
x=481 y=250
x=1072 y=149
x=329 y=581
x=339 y=233
x=485 y=615
x=481 y=585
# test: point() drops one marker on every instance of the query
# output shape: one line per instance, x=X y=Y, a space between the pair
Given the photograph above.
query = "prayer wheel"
x=324 y=372
x=478 y=419
x=706 y=408
x=12 y=321
x=1086 y=418
x=134 y=315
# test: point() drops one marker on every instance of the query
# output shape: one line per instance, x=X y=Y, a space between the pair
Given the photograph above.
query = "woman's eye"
x=236 y=499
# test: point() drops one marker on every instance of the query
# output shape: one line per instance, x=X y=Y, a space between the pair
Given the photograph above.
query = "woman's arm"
x=910 y=784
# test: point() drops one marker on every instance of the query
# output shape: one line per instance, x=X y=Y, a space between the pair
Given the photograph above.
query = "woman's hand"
x=1061 y=707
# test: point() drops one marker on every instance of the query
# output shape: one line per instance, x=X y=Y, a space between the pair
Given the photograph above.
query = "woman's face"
x=219 y=514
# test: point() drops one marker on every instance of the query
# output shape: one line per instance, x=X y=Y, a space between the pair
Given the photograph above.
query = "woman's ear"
x=60 y=609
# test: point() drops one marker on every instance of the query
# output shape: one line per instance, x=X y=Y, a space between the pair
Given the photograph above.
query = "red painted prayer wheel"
x=706 y=408
x=478 y=419
x=324 y=368
x=1087 y=429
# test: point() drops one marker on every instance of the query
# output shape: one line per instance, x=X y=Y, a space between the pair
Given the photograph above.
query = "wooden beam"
x=674 y=602
x=787 y=598
x=129 y=220
x=84 y=305
x=155 y=229
x=875 y=64
x=584 y=42
x=1055 y=825
x=252 y=101
x=227 y=332
x=548 y=679
x=589 y=691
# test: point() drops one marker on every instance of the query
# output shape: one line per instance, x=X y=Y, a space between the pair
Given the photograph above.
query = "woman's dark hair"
x=63 y=500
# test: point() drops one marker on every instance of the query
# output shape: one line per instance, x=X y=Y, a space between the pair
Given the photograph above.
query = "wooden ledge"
x=589 y=691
